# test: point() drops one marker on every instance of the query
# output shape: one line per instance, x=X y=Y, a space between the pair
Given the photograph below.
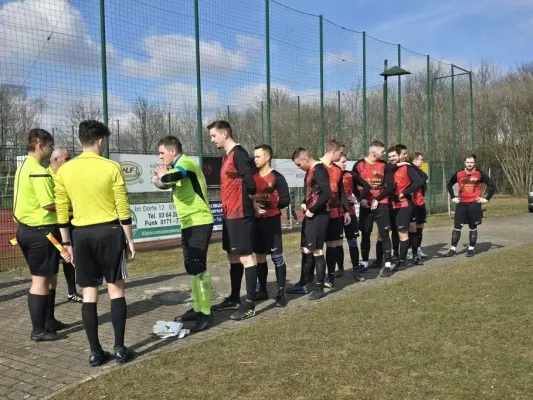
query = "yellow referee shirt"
x=34 y=189
x=95 y=187
x=53 y=175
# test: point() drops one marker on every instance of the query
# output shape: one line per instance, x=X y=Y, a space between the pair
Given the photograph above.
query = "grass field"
x=159 y=261
x=459 y=333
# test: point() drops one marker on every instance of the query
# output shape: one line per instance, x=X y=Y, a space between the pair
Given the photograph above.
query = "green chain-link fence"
x=278 y=75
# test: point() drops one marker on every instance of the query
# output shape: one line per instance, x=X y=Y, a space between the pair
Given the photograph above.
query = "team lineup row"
x=85 y=203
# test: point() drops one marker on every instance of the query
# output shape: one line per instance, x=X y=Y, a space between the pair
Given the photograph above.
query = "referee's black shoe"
x=203 y=322
x=46 y=336
x=98 y=358
x=189 y=315
x=123 y=354
x=227 y=304
x=56 y=326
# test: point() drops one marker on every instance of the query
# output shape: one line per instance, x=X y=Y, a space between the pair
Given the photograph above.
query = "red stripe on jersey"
x=267 y=194
x=374 y=174
x=335 y=177
x=347 y=183
x=469 y=186
x=401 y=182
x=418 y=197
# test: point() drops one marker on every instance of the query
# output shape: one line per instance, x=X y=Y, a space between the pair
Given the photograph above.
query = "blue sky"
x=150 y=47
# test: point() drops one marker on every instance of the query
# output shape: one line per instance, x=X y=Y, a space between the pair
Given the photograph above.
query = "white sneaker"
x=410 y=254
x=421 y=253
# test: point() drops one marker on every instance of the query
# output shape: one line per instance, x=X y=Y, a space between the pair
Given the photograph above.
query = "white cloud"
x=175 y=55
x=25 y=27
x=179 y=95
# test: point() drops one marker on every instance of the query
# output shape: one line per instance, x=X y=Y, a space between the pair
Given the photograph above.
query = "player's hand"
x=364 y=203
x=259 y=208
x=131 y=250
x=481 y=200
x=303 y=207
x=401 y=197
x=309 y=214
x=160 y=170
x=347 y=219
x=456 y=200
x=353 y=198
x=69 y=257
x=374 y=205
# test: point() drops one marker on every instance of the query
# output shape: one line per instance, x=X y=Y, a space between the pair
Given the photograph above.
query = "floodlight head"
x=395 y=71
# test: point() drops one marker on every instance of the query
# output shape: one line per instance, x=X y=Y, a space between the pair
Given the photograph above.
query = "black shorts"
x=468 y=213
x=99 y=252
x=419 y=215
x=40 y=254
x=195 y=243
x=237 y=235
x=335 y=229
x=367 y=217
x=401 y=218
x=351 y=231
x=267 y=235
x=314 y=232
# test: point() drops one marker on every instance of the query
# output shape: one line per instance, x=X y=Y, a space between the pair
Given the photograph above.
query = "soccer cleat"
x=450 y=253
x=56 y=326
x=98 y=358
x=339 y=273
x=297 y=289
x=246 y=311
x=421 y=253
x=376 y=264
x=261 y=295
x=386 y=272
x=227 y=304
x=189 y=315
x=330 y=283
x=317 y=294
x=410 y=254
x=395 y=258
x=203 y=322
x=360 y=268
x=123 y=354
x=75 y=298
x=400 y=265
x=46 y=336
x=470 y=253
x=281 y=301
x=417 y=261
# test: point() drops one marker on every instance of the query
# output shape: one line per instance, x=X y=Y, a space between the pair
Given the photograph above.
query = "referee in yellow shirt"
x=34 y=211
x=94 y=187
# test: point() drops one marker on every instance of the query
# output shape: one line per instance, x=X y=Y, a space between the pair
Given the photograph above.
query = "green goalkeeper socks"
x=204 y=292
x=195 y=283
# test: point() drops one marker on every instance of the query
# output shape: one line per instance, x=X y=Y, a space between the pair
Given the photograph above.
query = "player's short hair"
x=37 y=135
x=221 y=126
x=171 y=141
x=344 y=155
x=394 y=149
x=90 y=131
x=299 y=152
x=376 y=143
x=401 y=147
x=334 y=145
x=471 y=156
x=415 y=155
x=265 y=147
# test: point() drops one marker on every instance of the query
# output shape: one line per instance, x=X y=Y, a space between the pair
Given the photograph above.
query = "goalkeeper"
x=185 y=177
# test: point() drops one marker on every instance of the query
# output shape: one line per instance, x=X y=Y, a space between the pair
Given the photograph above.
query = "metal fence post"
x=454 y=128
x=472 y=128
x=299 y=125
x=339 y=122
x=322 y=133
x=385 y=108
x=428 y=125
x=399 y=96
x=267 y=41
x=198 y=85
x=363 y=150
x=104 y=71
x=262 y=123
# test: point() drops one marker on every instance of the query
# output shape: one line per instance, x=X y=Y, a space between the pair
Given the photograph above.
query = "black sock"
x=90 y=323
x=281 y=278
x=413 y=242
x=404 y=248
x=340 y=257
x=354 y=255
x=262 y=273
x=309 y=268
x=419 y=235
x=251 y=283
x=37 y=304
x=320 y=264
x=119 y=313
x=236 y=272
x=386 y=243
x=331 y=259
x=456 y=235
x=50 y=310
x=301 y=282
x=473 y=237
x=365 y=247
x=70 y=277
x=395 y=240
x=379 y=250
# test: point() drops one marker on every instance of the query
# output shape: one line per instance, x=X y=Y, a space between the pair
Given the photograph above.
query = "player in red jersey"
x=419 y=215
x=237 y=188
x=468 y=200
x=406 y=182
x=272 y=196
x=375 y=206
x=350 y=183
x=339 y=209
x=315 y=223
x=395 y=238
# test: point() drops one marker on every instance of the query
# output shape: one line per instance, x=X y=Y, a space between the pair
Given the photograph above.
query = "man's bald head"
x=59 y=156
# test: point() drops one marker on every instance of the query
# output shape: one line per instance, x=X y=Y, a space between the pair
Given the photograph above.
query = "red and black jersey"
x=378 y=176
x=418 y=196
x=406 y=181
x=317 y=189
x=350 y=182
x=470 y=185
x=237 y=184
x=272 y=193
x=337 y=191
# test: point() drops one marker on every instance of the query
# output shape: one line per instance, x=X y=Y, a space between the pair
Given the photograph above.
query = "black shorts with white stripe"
x=99 y=252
